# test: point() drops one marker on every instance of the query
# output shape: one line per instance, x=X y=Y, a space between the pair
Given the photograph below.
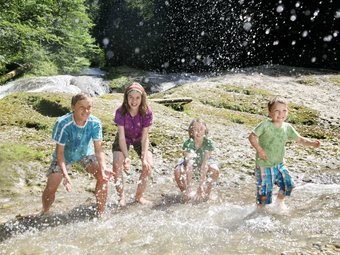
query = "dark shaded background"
x=211 y=35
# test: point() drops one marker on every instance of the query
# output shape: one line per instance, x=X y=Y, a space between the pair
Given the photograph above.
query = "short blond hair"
x=276 y=99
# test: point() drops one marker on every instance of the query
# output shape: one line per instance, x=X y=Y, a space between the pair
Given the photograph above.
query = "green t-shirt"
x=189 y=146
x=273 y=141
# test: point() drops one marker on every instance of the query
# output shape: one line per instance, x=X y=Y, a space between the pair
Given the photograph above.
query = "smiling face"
x=278 y=113
x=197 y=130
x=82 y=110
x=134 y=99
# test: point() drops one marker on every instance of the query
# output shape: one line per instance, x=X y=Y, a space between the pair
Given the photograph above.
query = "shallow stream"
x=222 y=226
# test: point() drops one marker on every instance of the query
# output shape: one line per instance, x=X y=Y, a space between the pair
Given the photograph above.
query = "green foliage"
x=52 y=35
x=146 y=8
x=120 y=83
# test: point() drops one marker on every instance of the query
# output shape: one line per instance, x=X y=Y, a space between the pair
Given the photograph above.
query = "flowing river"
x=222 y=226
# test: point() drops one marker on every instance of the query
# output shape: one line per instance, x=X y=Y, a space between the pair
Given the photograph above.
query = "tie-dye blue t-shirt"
x=78 y=140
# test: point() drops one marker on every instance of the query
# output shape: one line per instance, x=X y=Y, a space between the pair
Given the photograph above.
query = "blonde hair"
x=276 y=99
x=191 y=126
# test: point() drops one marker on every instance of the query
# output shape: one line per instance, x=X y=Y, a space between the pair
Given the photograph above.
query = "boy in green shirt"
x=269 y=139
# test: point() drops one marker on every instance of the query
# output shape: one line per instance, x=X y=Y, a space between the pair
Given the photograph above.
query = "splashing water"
x=214 y=227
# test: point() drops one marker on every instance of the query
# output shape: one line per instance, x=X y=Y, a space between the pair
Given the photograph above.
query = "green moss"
x=8 y=176
x=335 y=80
x=318 y=132
x=169 y=144
x=245 y=90
x=236 y=104
x=33 y=110
x=20 y=152
x=299 y=114
x=308 y=81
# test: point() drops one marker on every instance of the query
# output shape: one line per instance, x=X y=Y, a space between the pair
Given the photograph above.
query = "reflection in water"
x=207 y=228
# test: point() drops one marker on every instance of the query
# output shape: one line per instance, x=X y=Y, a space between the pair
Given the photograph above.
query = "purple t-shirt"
x=133 y=126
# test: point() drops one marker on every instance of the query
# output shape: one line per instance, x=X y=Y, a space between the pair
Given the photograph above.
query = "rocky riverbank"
x=231 y=104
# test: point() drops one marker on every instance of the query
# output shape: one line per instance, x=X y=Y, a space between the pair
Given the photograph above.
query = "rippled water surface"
x=214 y=227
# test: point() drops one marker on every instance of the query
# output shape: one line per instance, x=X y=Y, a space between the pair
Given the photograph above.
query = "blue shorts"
x=84 y=162
x=267 y=177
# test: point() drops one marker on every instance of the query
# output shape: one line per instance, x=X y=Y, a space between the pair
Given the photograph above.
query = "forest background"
x=58 y=37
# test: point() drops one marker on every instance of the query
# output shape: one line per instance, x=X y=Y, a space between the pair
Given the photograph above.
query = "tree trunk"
x=14 y=73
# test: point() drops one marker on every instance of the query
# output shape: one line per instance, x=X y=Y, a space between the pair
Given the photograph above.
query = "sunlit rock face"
x=59 y=83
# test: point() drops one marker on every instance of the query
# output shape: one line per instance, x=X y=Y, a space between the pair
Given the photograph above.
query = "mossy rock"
x=308 y=81
x=335 y=80
x=33 y=110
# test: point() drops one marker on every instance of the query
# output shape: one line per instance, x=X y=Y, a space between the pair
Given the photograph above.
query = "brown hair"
x=143 y=108
x=276 y=99
x=79 y=97
x=191 y=126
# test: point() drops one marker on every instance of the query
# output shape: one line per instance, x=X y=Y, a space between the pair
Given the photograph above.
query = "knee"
x=50 y=191
x=216 y=173
x=100 y=178
x=147 y=171
x=178 y=171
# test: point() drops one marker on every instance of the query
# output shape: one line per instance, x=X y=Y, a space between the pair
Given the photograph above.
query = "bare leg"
x=118 y=160
x=213 y=179
x=51 y=188
x=280 y=197
x=143 y=179
x=101 y=189
x=180 y=178
x=183 y=176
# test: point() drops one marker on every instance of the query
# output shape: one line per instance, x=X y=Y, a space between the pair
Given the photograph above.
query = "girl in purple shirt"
x=134 y=119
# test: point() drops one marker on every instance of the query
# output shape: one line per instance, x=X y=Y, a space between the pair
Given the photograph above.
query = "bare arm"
x=307 y=142
x=200 y=193
x=123 y=147
x=204 y=168
x=145 y=146
x=100 y=155
x=62 y=165
x=255 y=143
x=122 y=141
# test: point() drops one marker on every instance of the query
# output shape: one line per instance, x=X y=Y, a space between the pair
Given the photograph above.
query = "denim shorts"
x=84 y=162
x=267 y=177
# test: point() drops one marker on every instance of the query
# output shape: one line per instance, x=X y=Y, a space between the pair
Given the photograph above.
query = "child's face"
x=82 y=110
x=279 y=112
x=198 y=130
x=134 y=100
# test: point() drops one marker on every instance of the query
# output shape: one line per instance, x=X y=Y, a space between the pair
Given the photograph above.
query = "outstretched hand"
x=127 y=164
x=146 y=165
x=67 y=183
x=200 y=194
x=106 y=174
x=316 y=144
